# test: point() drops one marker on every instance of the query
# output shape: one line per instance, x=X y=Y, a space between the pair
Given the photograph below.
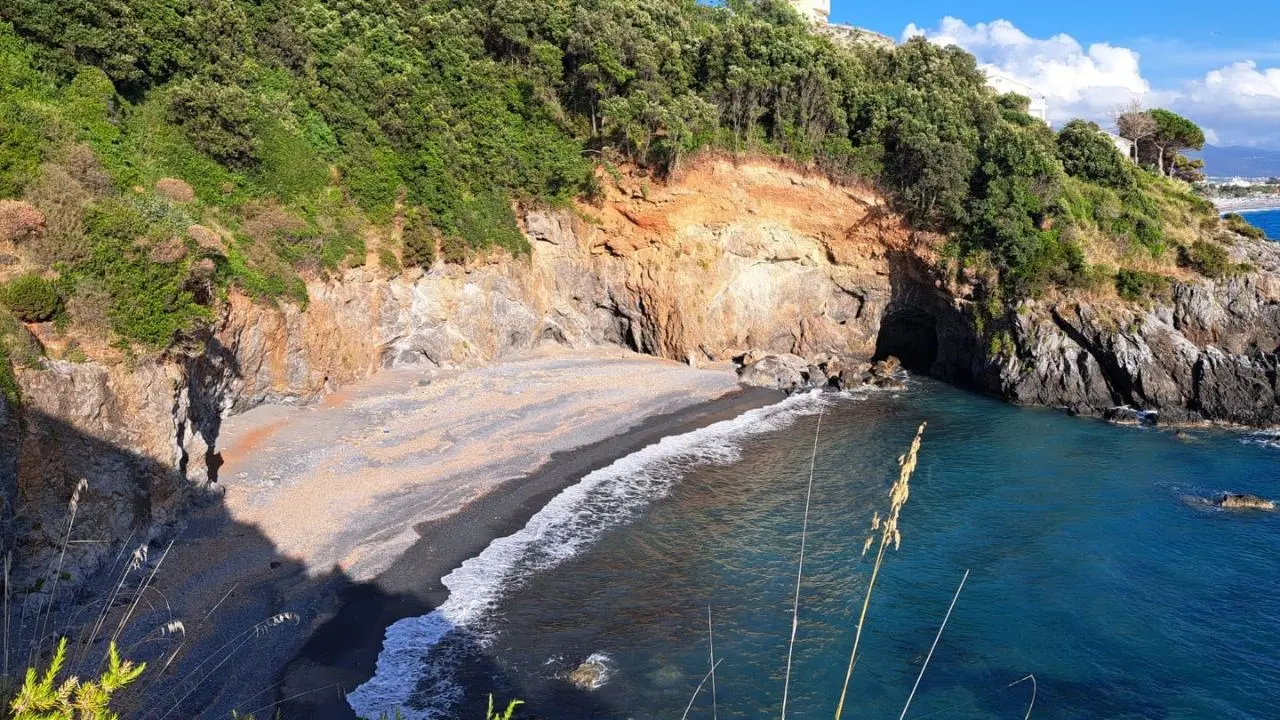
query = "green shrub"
x=1088 y=153
x=220 y=119
x=419 y=241
x=1208 y=259
x=151 y=302
x=1237 y=223
x=31 y=298
x=453 y=249
x=1139 y=286
x=387 y=260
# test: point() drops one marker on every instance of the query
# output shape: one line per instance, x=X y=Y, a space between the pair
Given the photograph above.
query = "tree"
x=1089 y=154
x=1134 y=123
x=1174 y=134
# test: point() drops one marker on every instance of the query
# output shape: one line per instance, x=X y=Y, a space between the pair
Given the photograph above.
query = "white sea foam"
x=1266 y=438
x=414 y=667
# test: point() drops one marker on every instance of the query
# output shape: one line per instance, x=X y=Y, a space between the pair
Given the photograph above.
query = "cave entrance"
x=911 y=336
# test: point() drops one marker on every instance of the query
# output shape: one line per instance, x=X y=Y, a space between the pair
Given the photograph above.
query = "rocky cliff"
x=728 y=259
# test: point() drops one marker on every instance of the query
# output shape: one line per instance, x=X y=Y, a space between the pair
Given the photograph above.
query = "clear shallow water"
x=1089 y=569
x=1268 y=220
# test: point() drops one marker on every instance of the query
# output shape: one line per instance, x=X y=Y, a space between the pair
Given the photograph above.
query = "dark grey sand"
x=346 y=515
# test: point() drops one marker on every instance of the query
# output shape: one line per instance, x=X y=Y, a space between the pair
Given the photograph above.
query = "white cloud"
x=1239 y=102
x=1077 y=82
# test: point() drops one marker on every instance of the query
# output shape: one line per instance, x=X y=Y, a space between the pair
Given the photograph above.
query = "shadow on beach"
x=261 y=634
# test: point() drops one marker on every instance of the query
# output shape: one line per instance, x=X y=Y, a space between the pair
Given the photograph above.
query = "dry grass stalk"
x=889 y=533
x=73 y=507
x=698 y=690
x=8 y=563
x=933 y=647
x=711 y=642
x=238 y=641
x=1034 y=688
x=804 y=535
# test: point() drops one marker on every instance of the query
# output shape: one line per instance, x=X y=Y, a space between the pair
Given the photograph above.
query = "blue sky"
x=1217 y=63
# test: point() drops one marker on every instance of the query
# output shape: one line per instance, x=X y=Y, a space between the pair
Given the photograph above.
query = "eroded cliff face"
x=731 y=258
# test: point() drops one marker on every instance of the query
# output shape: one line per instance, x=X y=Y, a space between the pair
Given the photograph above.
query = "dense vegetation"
x=155 y=152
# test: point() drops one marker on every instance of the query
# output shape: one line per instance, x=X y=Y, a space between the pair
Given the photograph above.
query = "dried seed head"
x=74 y=505
x=138 y=557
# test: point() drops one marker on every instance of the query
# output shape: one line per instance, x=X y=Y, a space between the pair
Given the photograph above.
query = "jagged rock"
x=1125 y=415
x=885 y=368
x=1244 y=502
x=891 y=383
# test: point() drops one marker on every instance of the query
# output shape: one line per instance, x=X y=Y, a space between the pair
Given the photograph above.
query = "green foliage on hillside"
x=300 y=124
x=1236 y=223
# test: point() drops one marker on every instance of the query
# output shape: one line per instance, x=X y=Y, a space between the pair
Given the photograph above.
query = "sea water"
x=1096 y=568
x=1268 y=220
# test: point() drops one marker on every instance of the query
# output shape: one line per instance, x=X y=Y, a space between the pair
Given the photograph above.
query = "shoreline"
x=1246 y=205
x=341 y=653
x=341 y=513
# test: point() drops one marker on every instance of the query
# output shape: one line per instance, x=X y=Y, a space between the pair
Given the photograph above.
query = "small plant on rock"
x=43 y=697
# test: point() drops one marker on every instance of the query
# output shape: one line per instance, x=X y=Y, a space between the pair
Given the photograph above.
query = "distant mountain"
x=1244 y=162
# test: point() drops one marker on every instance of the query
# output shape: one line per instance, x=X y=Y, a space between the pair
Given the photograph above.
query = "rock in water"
x=591 y=674
x=1245 y=502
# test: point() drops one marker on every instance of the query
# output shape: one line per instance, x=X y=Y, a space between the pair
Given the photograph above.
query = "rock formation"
x=1244 y=502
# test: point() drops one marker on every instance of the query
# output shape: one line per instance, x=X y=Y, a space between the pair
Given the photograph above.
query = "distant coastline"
x=1247 y=204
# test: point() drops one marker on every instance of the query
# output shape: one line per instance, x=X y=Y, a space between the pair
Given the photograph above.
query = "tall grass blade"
x=711 y=641
x=8 y=563
x=804 y=535
x=1034 y=688
x=73 y=507
x=933 y=647
x=698 y=690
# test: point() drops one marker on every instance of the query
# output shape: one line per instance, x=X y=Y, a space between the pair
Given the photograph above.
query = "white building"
x=1127 y=147
x=817 y=12
x=1002 y=84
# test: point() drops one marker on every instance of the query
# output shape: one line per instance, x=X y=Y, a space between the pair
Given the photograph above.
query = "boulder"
x=590 y=675
x=1245 y=502
x=781 y=372
x=1125 y=415
x=886 y=367
x=855 y=375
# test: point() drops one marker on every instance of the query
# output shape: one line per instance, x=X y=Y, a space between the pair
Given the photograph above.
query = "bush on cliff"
x=1236 y=223
x=1087 y=153
x=30 y=297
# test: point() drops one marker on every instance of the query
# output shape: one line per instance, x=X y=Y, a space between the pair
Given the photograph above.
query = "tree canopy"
x=298 y=122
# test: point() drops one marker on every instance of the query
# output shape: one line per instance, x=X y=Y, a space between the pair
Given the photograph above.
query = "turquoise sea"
x=1268 y=220
x=1094 y=568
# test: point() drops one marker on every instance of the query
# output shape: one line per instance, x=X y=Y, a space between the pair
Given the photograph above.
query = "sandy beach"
x=1247 y=204
x=342 y=516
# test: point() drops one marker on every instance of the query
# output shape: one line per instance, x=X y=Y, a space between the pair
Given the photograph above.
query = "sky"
x=1217 y=63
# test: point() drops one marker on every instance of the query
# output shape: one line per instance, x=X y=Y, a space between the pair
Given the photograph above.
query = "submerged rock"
x=1244 y=502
